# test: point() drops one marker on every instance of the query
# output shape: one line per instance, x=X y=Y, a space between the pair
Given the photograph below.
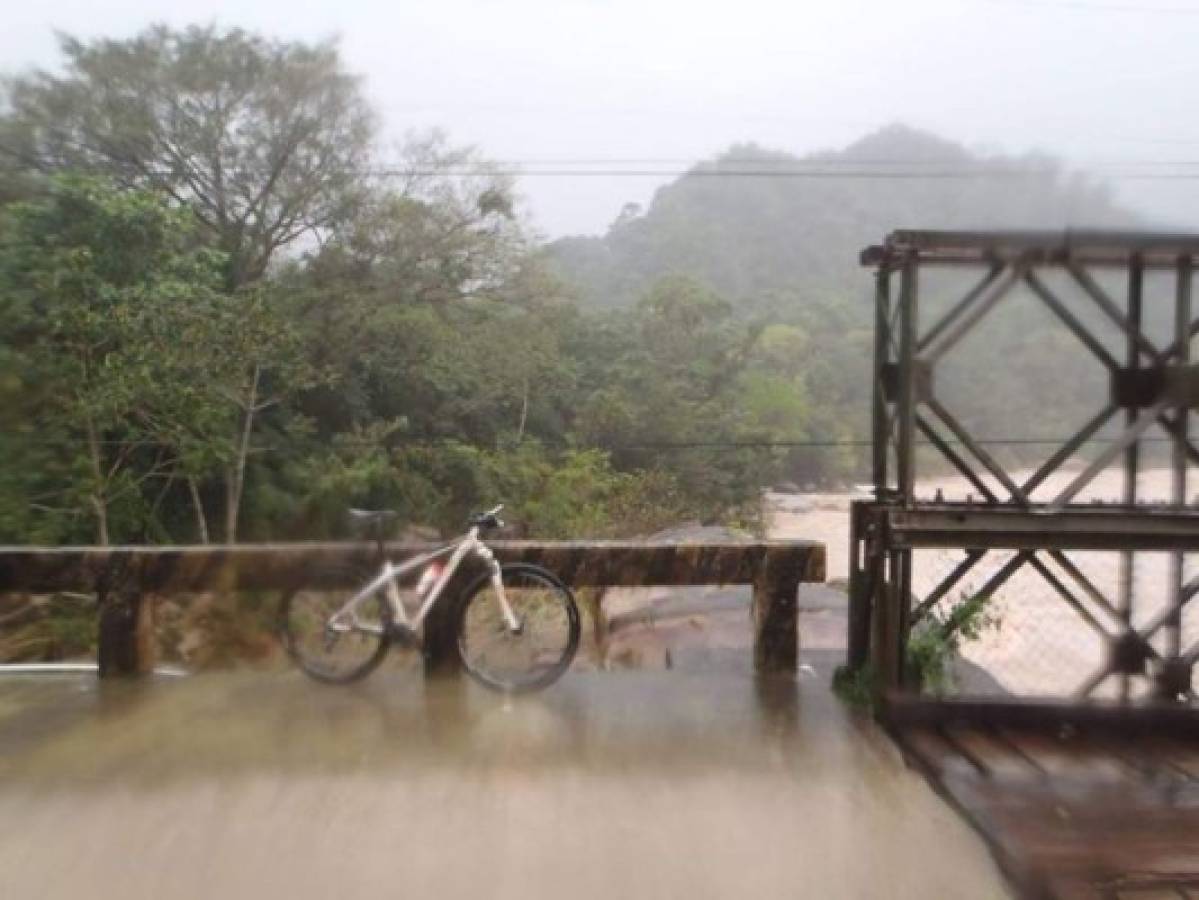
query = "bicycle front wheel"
x=333 y=648
x=537 y=652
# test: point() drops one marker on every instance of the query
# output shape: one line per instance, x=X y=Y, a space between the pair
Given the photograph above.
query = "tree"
x=264 y=140
x=86 y=273
x=428 y=235
x=431 y=308
x=223 y=362
x=662 y=389
x=135 y=372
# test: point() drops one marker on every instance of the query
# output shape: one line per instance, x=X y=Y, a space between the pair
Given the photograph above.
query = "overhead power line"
x=838 y=169
x=848 y=175
x=816 y=443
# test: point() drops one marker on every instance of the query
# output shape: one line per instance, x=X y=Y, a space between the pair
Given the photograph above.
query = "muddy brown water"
x=608 y=785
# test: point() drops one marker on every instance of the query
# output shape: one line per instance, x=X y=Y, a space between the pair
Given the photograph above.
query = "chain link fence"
x=1026 y=638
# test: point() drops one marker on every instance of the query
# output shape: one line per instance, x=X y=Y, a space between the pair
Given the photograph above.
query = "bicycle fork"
x=515 y=626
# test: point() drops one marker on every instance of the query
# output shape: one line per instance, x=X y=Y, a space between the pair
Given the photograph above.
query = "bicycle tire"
x=540 y=599
x=369 y=649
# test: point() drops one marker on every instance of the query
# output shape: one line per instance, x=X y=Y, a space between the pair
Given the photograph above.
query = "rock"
x=786 y=487
x=794 y=503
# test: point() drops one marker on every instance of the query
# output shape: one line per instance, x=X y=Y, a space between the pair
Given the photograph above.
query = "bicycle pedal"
x=403 y=636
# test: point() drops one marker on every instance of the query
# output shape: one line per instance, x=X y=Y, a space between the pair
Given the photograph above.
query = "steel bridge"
x=1094 y=285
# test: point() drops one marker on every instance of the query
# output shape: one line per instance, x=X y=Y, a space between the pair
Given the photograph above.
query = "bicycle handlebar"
x=489 y=519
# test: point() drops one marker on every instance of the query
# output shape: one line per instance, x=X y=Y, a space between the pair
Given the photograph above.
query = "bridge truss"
x=1034 y=521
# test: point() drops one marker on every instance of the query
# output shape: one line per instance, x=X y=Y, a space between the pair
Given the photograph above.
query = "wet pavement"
x=609 y=785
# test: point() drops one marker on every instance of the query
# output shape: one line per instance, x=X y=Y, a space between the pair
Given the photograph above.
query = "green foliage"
x=88 y=277
x=364 y=387
x=785 y=251
x=577 y=493
x=936 y=641
x=547 y=494
x=856 y=687
x=932 y=647
x=133 y=368
x=663 y=389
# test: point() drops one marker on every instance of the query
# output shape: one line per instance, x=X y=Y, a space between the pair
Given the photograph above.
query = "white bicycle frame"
x=390 y=574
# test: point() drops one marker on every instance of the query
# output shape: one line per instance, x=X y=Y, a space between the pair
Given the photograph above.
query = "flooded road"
x=609 y=785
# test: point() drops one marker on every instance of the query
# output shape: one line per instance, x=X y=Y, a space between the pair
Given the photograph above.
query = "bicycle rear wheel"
x=540 y=651
x=329 y=650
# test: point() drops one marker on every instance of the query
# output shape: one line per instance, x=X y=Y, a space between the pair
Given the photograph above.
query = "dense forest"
x=784 y=250
x=228 y=313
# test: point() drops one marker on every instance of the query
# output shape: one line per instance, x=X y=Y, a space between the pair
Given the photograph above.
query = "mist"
x=588 y=88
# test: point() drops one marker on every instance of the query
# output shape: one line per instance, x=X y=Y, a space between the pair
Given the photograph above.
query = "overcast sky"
x=1102 y=82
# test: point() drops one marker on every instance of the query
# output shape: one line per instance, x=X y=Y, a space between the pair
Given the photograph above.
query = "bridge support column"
x=440 y=645
x=776 y=614
x=126 y=644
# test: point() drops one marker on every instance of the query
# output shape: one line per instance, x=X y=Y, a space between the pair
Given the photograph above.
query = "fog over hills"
x=779 y=236
x=756 y=220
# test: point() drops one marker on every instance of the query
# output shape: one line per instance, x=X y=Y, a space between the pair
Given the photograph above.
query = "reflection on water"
x=608 y=784
x=227 y=722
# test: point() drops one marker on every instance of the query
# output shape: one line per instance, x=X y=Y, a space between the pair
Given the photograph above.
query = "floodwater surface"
x=608 y=785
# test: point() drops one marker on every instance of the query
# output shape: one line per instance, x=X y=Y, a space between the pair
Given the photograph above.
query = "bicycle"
x=516 y=626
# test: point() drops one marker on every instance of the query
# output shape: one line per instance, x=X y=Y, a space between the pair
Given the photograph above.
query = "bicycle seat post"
x=379 y=538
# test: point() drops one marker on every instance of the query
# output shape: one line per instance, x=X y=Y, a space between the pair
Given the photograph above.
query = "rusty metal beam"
x=1066 y=594
x=881 y=428
x=1050 y=716
x=974 y=447
x=1152 y=385
x=1067 y=450
x=1181 y=439
x=1070 y=321
x=1084 y=247
x=1108 y=306
x=1088 y=586
x=955 y=458
x=1136 y=288
x=982 y=304
x=1178 y=487
x=958 y=308
x=985 y=527
x=946 y=584
x=907 y=401
x=1139 y=425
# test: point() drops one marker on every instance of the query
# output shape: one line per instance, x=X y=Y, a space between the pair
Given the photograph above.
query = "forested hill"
x=783 y=251
x=746 y=232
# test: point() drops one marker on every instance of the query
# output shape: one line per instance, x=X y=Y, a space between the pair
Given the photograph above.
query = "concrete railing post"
x=776 y=613
x=126 y=633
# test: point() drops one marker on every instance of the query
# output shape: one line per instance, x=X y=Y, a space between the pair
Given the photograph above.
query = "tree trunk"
x=100 y=508
x=524 y=412
x=98 y=502
x=198 y=506
x=235 y=479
